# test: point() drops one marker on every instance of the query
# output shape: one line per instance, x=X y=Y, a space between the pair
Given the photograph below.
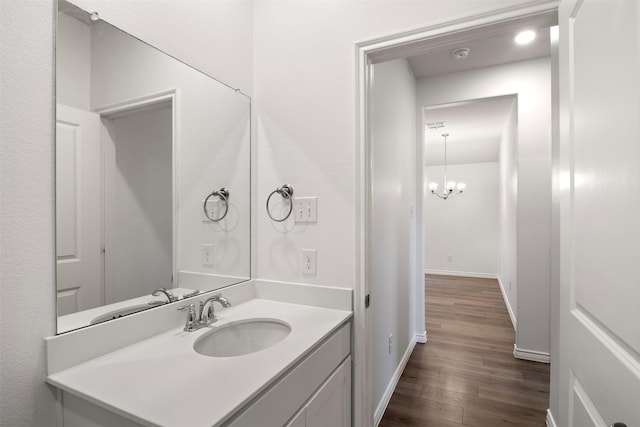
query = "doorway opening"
x=372 y=393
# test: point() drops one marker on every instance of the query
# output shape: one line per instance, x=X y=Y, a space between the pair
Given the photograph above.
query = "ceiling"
x=475 y=127
x=488 y=51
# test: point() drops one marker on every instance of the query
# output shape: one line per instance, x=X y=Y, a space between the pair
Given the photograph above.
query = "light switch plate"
x=305 y=209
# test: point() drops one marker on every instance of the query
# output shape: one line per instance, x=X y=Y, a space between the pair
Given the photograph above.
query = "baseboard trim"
x=550 y=421
x=462 y=274
x=512 y=314
x=382 y=406
x=532 y=355
x=421 y=337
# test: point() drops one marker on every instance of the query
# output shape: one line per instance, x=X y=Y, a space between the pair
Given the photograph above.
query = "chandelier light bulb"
x=451 y=186
x=461 y=186
x=433 y=186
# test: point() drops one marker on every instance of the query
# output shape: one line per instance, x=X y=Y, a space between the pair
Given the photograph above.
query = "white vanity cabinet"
x=317 y=392
x=331 y=404
x=314 y=392
x=163 y=380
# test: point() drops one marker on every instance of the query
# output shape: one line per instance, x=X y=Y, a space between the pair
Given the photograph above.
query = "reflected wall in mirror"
x=142 y=140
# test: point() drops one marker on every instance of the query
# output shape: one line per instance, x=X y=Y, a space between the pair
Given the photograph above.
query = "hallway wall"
x=508 y=159
x=393 y=195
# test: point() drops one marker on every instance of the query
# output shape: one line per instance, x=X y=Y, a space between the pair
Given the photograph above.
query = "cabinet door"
x=331 y=405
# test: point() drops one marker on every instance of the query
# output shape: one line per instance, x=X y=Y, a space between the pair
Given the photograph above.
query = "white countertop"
x=162 y=381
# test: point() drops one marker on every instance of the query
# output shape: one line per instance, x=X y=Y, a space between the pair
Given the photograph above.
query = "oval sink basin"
x=243 y=337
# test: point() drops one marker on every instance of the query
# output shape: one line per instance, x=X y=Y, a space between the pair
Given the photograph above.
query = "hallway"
x=466 y=375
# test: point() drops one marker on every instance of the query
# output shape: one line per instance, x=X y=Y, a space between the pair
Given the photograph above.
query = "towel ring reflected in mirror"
x=223 y=195
x=286 y=191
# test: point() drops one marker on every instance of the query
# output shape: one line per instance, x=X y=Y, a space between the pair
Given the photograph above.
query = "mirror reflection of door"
x=78 y=210
x=114 y=205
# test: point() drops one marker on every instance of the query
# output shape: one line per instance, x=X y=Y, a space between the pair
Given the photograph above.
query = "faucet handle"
x=192 y=317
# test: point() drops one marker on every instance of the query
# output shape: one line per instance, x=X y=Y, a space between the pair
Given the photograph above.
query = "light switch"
x=305 y=209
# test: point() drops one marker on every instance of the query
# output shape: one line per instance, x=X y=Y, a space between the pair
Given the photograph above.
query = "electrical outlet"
x=305 y=209
x=390 y=342
x=213 y=207
x=207 y=254
x=309 y=262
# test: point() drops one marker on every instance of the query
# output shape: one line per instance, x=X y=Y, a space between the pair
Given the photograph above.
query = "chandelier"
x=449 y=187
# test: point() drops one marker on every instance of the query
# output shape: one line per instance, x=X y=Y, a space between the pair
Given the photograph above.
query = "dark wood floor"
x=466 y=375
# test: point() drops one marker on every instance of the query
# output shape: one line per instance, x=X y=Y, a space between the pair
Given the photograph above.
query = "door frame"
x=367 y=53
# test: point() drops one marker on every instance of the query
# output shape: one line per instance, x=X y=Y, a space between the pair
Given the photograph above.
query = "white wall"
x=464 y=226
x=530 y=80
x=213 y=36
x=216 y=36
x=73 y=63
x=508 y=272
x=393 y=193
x=27 y=306
x=305 y=97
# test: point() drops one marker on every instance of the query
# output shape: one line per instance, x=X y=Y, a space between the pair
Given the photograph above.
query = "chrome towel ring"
x=223 y=195
x=286 y=191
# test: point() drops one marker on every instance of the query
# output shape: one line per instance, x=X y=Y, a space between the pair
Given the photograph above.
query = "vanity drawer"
x=280 y=402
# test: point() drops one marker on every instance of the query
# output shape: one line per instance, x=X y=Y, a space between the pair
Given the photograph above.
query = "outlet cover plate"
x=309 y=262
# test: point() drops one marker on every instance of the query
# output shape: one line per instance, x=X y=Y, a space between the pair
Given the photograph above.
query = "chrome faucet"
x=170 y=296
x=203 y=315
x=207 y=315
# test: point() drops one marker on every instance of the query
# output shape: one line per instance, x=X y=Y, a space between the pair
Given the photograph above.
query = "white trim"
x=532 y=355
x=550 y=421
x=462 y=274
x=137 y=102
x=386 y=397
x=421 y=337
x=512 y=314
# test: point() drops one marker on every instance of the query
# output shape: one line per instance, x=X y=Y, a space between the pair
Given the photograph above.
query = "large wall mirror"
x=142 y=142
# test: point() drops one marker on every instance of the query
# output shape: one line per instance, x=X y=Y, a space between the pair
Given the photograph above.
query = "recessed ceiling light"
x=525 y=37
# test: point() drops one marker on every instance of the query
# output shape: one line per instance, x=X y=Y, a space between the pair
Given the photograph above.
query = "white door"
x=600 y=213
x=78 y=210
